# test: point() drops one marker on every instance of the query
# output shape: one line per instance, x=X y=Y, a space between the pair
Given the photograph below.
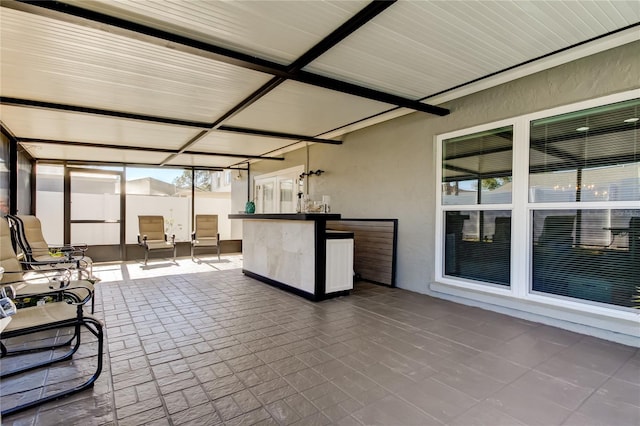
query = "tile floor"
x=201 y=344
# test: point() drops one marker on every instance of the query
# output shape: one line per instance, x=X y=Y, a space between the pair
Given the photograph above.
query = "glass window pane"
x=163 y=192
x=4 y=175
x=478 y=245
x=479 y=161
x=216 y=200
x=24 y=184
x=94 y=234
x=286 y=195
x=588 y=155
x=50 y=201
x=590 y=254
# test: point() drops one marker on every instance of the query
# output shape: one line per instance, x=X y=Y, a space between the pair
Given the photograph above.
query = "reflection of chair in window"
x=634 y=240
x=454 y=223
x=502 y=233
x=152 y=236
x=557 y=232
x=205 y=233
x=552 y=258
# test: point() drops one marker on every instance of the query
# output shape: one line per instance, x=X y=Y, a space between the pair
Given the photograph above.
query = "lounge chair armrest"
x=51 y=274
x=142 y=241
x=193 y=236
x=8 y=291
x=83 y=301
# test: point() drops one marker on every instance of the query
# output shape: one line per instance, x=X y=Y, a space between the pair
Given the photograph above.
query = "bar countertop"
x=287 y=216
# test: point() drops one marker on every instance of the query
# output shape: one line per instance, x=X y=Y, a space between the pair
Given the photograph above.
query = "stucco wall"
x=388 y=170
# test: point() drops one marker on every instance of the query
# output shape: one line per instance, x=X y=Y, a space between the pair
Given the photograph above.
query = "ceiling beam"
x=28 y=103
x=278 y=135
x=145 y=149
x=79 y=16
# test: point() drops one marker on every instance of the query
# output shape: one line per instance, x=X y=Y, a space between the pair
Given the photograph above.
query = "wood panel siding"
x=375 y=247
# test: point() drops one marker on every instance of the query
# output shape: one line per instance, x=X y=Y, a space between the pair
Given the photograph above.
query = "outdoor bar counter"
x=297 y=253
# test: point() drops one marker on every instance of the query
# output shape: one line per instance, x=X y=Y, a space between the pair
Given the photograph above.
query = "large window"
x=586 y=158
x=589 y=155
x=566 y=223
x=162 y=192
x=477 y=170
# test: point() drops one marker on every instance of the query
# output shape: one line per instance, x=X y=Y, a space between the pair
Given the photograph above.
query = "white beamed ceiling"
x=419 y=48
x=413 y=49
x=31 y=123
x=300 y=108
x=230 y=143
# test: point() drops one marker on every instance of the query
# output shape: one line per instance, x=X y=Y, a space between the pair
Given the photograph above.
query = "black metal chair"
x=27 y=235
x=52 y=280
x=38 y=319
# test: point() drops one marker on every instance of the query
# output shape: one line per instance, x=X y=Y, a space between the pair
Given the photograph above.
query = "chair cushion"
x=40 y=315
x=205 y=242
x=33 y=233
x=206 y=226
x=158 y=244
x=8 y=259
x=152 y=227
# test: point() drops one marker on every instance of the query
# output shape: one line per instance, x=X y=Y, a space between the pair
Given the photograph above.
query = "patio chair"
x=152 y=236
x=50 y=317
x=205 y=233
x=54 y=281
x=557 y=233
x=28 y=237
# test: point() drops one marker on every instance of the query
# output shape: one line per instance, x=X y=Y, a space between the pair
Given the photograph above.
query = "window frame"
x=441 y=208
x=520 y=291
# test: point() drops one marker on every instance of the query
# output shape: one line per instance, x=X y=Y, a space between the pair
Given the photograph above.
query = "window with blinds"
x=477 y=170
x=578 y=160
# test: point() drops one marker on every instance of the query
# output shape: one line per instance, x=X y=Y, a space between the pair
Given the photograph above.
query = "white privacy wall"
x=175 y=210
x=388 y=170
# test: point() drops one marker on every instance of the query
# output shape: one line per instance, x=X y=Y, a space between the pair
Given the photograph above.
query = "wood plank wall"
x=375 y=243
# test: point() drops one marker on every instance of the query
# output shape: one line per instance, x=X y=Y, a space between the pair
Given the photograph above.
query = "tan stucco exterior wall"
x=388 y=170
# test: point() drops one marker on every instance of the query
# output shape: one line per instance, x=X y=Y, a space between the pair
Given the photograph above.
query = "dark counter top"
x=338 y=235
x=287 y=216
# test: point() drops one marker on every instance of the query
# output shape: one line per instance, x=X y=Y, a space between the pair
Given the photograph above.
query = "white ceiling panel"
x=412 y=49
x=194 y=160
x=280 y=31
x=82 y=153
x=305 y=110
x=229 y=143
x=55 y=61
x=33 y=123
x=418 y=48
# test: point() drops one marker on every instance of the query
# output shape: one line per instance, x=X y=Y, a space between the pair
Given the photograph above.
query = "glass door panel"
x=265 y=195
x=287 y=204
x=95 y=213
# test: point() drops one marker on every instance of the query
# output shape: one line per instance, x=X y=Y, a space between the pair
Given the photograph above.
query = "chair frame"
x=75 y=319
x=143 y=241
x=71 y=254
x=40 y=279
x=194 y=239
